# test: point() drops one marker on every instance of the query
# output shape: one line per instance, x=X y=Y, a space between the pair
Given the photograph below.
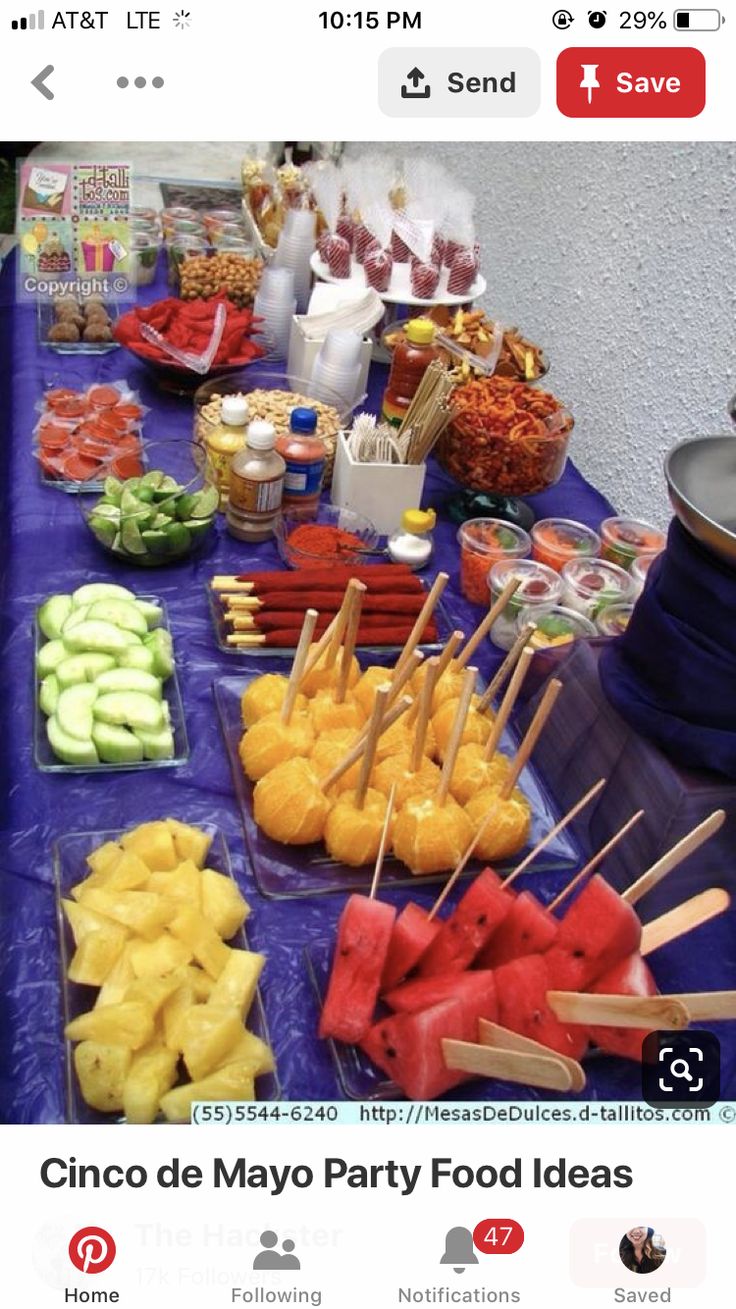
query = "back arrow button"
x=39 y=81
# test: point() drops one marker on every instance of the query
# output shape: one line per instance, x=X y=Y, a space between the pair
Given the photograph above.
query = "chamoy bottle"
x=412 y=544
x=411 y=359
x=304 y=454
x=226 y=440
x=256 y=485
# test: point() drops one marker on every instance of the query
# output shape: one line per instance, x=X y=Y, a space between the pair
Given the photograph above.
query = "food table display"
x=49 y=551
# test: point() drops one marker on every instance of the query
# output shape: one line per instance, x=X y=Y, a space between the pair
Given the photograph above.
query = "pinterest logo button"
x=92 y=1250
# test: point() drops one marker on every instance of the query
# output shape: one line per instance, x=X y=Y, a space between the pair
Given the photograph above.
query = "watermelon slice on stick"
x=475 y=989
x=363 y=936
x=630 y=977
x=481 y=911
x=408 y=1048
x=414 y=931
x=521 y=987
x=598 y=931
x=529 y=928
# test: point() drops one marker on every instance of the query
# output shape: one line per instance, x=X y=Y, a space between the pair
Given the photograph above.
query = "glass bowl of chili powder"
x=327 y=536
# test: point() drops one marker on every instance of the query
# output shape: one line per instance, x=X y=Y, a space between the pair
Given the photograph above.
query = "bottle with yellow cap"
x=412 y=544
x=411 y=359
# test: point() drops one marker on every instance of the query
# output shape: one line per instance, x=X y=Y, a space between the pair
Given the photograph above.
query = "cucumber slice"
x=82 y=668
x=50 y=656
x=162 y=648
x=74 y=710
x=92 y=591
x=131 y=638
x=76 y=616
x=100 y=637
x=67 y=748
x=121 y=613
x=129 y=709
x=48 y=694
x=130 y=679
x=116 y=745
x=137 y=656
x=152 y=613
x=113 y=489
x=53 y=614
x=130 y=537
x=157 y=745
x=207 y=503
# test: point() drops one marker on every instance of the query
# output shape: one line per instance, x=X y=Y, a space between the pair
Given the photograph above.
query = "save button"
x=621 y=82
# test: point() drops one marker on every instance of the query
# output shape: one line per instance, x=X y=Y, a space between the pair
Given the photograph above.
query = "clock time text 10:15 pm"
x=370 y=19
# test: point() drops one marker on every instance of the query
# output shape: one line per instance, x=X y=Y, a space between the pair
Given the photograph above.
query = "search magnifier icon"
x=681 y=1068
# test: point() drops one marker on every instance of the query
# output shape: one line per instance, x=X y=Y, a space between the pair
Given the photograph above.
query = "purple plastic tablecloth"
x=47 y=548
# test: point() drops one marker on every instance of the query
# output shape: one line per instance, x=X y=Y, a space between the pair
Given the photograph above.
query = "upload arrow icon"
x=416 y=76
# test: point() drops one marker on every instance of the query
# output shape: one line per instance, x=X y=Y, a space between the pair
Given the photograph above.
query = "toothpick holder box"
x=380 y=491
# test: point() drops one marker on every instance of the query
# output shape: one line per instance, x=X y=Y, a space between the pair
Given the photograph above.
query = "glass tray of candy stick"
x=70 y=868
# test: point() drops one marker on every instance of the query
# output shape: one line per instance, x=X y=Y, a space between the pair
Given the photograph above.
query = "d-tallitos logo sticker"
x=92 y=1250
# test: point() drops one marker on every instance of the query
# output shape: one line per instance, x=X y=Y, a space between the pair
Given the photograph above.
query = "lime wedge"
x=130 y=537
x=113 y=489
x=104 y=529
x=153 y=479
x=156 y=542
x=198 y=527
x=208 y=502
x=185 y=507
x=178 y=538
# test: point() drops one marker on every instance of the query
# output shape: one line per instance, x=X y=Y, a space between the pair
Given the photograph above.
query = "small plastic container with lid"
x=412 y=545
x=614 y=619
x=639 y=573
x=554 y=625
x=592 y=584
x=539 y=588
x=624 y=539
x=409 y=363
x=225 y=439
x=483 y=542
x=256 y=485
x=305 y=456
x=555 y=540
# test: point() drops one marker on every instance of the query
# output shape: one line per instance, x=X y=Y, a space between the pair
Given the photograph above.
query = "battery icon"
x=698 y=20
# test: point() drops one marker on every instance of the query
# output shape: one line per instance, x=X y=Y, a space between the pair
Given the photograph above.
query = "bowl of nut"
x=71 y=325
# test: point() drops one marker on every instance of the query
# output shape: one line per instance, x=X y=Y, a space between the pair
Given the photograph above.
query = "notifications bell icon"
x=459 y=1250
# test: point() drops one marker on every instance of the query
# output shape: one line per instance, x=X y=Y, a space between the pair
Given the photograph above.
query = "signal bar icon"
x=33 y=23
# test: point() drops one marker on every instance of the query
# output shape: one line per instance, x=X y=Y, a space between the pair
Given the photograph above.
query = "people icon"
x=269 y=1259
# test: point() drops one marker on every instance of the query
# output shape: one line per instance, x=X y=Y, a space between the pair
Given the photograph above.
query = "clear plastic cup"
x=614 y=619
x=639 y=573
x=539 y=586
x=340 y=348
x=483 y=541
x=590 y=585
x=556 y=540
x=624 y=539
x=554 y=625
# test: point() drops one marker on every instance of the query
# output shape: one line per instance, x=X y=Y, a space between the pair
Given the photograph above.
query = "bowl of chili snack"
x=506 y=437
x=329 y=536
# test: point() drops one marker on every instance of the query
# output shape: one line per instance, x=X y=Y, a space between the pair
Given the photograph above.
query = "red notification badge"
x=498 y=1236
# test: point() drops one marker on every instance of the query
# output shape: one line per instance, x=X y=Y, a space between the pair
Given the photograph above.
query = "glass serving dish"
x=46 y=318
x=288 y=872
x=325 y=515
x=69 y=855
x=522 y=465
x=44 y=757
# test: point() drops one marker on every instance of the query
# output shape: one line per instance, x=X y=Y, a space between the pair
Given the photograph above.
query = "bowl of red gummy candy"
x=187 y=327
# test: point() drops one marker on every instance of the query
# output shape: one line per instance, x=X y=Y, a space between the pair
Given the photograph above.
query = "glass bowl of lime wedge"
x=157 y=506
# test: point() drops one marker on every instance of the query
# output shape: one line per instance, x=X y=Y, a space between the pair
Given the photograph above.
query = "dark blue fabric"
x=672 y=675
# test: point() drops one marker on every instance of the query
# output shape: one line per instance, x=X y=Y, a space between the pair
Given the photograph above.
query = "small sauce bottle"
x=412 y=545
x=304 y=455
x=225 y=440
x=410 y=361
x=256 y=485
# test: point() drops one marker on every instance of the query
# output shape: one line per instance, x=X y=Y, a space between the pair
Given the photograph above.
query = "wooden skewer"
x=545 y=1071
x=428 y=608
x=424 y=714
x=341 y=622
x=596 y=860
x=533 y=733
x=684 y=918
x=708 y=1006
x=456 y=735
x=401 y=678
x=297 y=668
x=356 y=750
x=484 y=627
x=316 y=654
x=230 y=584
x=459 y=868
x=384 y=842
x=508 y=702
x=555 y=831
x=502 y=1038
x=664 y=1011
x=506 y=668
x=357 y=591
x=371 y=744
x=448 y=654
x=654 y=875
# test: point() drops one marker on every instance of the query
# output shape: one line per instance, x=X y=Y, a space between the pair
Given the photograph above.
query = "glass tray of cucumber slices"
x=106 y=693
x=120 y=959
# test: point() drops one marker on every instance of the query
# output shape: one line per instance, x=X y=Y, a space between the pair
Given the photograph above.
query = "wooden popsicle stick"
x=655 y=1011
x=356 y=751
x=694 y=839
x=297 y=668
x=533 y=733
x=508 y=702
x=555 y=831
x=384 y=842
x=502 y=1038
x=684 y=918
x=424 y=714
x=708 y=1006
x=484 y=627
x=371 y=744
x=221 y=583
x=428 y=608
x=596 y=860
x=460 y=868
x=456 y=734
x=545 y=1071
x=506 y=668
x=355 y=603
x=245 y=639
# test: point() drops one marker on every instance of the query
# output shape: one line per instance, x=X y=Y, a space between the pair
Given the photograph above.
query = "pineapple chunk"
x=129 y=1023
x=201 y=938
x=159 y=957
x=102 y=1070
x=233 y=1083
x=191 y=842
x=172 y=1015
x=238 y=980
x=208 y=1032
x=102 y=859
x=222 y=903
x=97 y=953
x=153 y=991
x=184 y=884
x=84 y=920
x=154 y=844
x=249 y=1050
x=151 y=1074
x=118 y=979
x=141 y=911
x=128 y=873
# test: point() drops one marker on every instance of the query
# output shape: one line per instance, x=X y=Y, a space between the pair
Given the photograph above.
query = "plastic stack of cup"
x=275 y=304
x=294 y=250
x=337 y=367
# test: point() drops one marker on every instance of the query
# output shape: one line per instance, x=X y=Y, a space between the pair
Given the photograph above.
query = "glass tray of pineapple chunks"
x=157 y=980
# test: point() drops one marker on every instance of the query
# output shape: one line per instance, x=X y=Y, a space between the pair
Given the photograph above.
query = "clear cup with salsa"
x=614 y=619
x=625 y=539
x=539 y=587
x=556 y=540
x=589 y=585
x=554 y=625
x=483 y=542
